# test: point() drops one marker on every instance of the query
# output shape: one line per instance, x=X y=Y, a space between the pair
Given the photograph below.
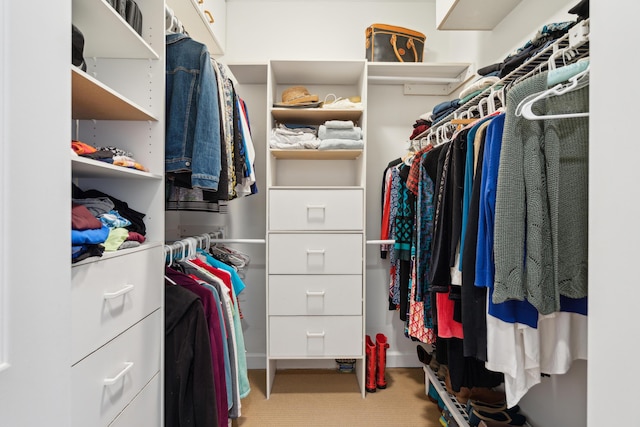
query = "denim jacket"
x=192 y=112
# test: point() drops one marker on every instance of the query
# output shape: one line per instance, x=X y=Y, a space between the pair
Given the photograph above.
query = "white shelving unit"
x=117 y=320
x=315 y=227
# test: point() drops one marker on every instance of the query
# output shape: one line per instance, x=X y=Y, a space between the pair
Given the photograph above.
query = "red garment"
x=136 y=237
x=83 y=219
x=414 y=170
x=225 y=276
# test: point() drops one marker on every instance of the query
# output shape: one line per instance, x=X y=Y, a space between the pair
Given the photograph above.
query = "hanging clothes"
x=209 y=156
x=192 y=117
x=189 y=399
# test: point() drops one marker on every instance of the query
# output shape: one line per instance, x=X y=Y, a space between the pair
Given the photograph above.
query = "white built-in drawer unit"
x=315 y=226
x=143 y=411
x=319 y=336
x=106 y=381
x=316 y=209
x=111 y=294
x=315 y=253
x=312 y=295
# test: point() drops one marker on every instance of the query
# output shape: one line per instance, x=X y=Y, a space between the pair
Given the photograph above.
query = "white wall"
x=304 y=29
x=614 y=229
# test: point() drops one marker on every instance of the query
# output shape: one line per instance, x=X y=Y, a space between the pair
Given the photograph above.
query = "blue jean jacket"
x=192 y=112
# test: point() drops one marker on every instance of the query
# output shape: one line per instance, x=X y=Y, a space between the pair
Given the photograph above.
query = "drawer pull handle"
x=323 y=207
x=315 y=251
x=315 y=334
x=113 y=380
x=116 y=294
x=315 y=293
x=209 y=15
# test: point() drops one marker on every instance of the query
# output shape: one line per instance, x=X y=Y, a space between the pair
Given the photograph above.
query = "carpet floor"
x=330 y=398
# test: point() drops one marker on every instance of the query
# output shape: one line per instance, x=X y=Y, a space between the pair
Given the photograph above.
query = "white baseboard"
x=394 y=360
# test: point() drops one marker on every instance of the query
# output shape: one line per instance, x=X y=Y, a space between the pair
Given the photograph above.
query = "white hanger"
x=169 y=249
x=525 y=107
x=495 y=95
x=483 y=102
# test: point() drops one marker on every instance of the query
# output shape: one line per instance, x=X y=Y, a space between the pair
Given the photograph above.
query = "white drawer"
x=110 y=295
x=145 y=410
x=316 y=209
x=315 y=254
x=320 y=336
x=106 y=381
x=315 y=295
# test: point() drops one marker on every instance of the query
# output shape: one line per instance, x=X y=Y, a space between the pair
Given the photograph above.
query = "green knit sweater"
x=541 y=209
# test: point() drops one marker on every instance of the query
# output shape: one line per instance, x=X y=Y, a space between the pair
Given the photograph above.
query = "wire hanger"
x=525 y=108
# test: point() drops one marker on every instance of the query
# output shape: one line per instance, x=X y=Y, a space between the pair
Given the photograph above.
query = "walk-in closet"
x=234 y=252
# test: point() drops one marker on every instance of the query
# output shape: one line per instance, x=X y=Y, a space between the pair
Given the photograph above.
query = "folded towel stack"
x=354 y=133
x=339 y=134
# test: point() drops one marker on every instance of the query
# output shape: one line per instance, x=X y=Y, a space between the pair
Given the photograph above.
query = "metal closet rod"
x=258 y=241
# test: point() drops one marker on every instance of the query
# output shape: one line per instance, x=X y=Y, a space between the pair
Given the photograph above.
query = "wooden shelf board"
x=314 y=115
x=311 y=154
x=92 y=100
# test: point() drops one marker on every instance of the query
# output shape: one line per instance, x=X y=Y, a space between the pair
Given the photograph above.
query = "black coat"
x=190 y=399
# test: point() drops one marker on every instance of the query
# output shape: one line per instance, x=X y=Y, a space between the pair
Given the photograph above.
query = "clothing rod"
x=409 y=80
x=380 y=242
x=258 y=241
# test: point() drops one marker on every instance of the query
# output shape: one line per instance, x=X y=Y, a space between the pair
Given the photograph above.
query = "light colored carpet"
x=329 y=398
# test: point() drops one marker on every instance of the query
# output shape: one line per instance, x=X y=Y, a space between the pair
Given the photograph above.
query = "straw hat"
x=297 y=96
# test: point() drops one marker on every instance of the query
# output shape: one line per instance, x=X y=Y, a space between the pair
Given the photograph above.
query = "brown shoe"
x=487 y=395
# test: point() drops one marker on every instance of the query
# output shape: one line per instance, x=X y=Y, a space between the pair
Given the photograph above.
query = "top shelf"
x=196 y=24
x=293 y=72
x=107 y=34
x=423 y=78
x=469 y=15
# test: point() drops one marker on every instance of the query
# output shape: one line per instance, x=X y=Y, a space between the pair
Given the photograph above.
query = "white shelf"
x=250 y=73
x=291 y=72
x=113 y=254
x=471 y=14
x=421 y=78
x=85 y=167
x=95 y=18
x=196 y=24
x=93 y=100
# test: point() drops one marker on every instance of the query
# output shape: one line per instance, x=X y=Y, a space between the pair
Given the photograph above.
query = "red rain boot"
x=370 y=352
x=381 y=353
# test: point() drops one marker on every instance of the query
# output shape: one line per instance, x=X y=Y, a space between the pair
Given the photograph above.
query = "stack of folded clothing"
x=477 y=87
x=419 y=127
x=543 y=38
x=443 y=109
x=293 y=137
x=340 y=134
